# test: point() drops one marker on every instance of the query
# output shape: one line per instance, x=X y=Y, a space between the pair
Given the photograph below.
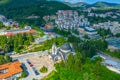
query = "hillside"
x=3 y=1
x=97 y=5
x=20 y=9
x=104 y=5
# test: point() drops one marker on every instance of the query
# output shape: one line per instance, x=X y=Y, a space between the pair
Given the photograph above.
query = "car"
x=31 y=65
x=28 y=61
x=36 y=72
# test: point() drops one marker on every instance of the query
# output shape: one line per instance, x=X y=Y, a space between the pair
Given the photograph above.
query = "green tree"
x=31 y=39
x=2 y=60
x=70 y=61
x=6 y=48
x=43 y=69
x=16 y=46
x=1 y=25
x=8 y=58
x=77 y=63
x=27 y=42
x=24 y=74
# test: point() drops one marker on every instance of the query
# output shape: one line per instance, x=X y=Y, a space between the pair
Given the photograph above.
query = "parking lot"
x=33 y=63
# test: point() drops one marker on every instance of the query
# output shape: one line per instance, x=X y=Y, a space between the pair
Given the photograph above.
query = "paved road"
x=108 y=57
x=111 y=62
x=23 y=56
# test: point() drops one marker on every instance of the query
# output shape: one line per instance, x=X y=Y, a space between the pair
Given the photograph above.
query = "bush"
x=24 y=74
x=43 y=69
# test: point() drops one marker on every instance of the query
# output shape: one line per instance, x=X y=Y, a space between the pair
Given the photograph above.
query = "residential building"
x=26 y=30
x=113 y=43
x=10 y=71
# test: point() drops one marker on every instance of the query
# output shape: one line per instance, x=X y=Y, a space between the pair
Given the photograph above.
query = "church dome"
x=65 y=48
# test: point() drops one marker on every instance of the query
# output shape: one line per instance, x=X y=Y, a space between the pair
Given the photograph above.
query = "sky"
x=90 y=1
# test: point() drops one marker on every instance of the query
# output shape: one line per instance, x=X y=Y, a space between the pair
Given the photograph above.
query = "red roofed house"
x=10 y=71
x=20 y=31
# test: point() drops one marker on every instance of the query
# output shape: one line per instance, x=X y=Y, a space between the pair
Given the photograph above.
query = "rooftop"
x=13 y=34
x=66 y=47
x=89 y=29
x=12 y=69
x=114 y=42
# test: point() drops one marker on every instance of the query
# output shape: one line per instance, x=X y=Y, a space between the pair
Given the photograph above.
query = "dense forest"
x=76 y=69
x=21 y=9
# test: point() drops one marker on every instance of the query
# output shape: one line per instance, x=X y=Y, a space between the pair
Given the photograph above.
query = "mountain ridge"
x=97 y=5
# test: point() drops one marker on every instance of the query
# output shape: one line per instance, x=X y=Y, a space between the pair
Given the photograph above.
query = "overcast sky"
x=90 y=1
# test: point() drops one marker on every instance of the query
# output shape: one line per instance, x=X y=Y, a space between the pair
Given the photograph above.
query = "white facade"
x=14 y=77
x=2 y=32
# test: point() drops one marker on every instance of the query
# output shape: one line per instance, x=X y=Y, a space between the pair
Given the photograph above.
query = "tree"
x=6 y=48
x=43 y=69
x=31 y=39
x=86 y=76
x=33 y=79
x=70 y=61
x=8 y=58
x=1 y=25
x=2 y=60
x=27 y=42
x=16 y=47
x=77 y=63
x=97 y=70
x=117 y=35
x=86 y=36
x=24 y=74
x=20 y=39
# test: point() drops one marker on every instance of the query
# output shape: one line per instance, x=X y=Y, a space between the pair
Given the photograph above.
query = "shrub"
x=43 y=69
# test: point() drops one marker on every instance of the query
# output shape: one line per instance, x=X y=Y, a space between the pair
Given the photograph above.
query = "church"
x=61 y=53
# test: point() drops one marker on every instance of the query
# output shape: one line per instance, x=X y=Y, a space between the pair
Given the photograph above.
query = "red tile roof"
x=13 y=34
x=13 y=68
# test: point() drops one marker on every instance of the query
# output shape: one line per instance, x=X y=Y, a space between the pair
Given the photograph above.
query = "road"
x=24 y=56
x=111 y=63
x=108 y=57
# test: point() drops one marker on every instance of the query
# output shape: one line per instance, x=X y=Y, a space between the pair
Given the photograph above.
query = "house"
x=113 y=43
x=26 y=30
x=20 y=31
x=2 y=18
x=90 y=31
x=10 y=71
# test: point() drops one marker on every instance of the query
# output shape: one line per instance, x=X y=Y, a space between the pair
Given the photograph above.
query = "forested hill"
x=20 y=9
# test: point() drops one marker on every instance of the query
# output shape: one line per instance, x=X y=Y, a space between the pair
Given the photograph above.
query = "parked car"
x=28 y=61
x=31 y=65
x=36 y=72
